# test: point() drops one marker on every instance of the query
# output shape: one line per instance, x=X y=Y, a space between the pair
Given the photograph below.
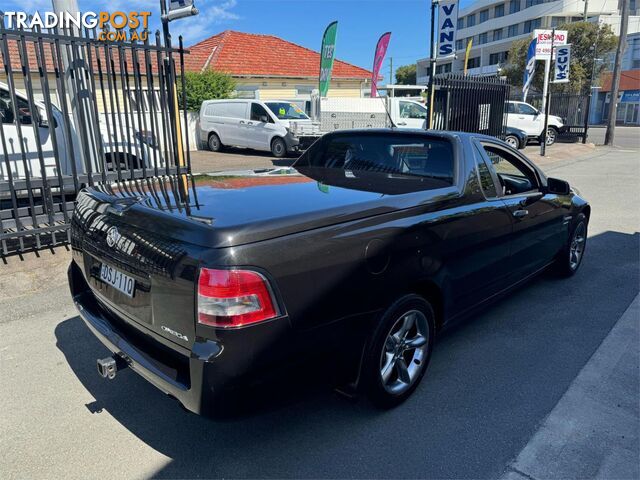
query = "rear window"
x=385 y=153
x=228 y=110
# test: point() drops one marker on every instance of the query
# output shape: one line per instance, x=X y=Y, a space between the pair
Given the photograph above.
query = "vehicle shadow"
x=491 y=382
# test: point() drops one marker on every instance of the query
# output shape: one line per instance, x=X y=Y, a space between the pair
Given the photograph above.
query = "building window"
x=471 y=20
x=304 y=90
x=460 y=23
x=484 y=15
x=514 y=6
x=513 y=30
x=473 y=62
x=499 y=11
x=246 y=91
x=497 y=35
x=482 y=38
x=499 y=57
x=531 y=25
x=459 y=44
x=444 y=68
x=557 y=21
x=531 y=3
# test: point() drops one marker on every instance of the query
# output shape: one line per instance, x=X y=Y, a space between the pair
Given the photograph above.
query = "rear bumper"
x=196 y=389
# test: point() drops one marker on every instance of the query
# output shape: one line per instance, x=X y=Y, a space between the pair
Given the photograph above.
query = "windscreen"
x=287 y=111
x=392 y=154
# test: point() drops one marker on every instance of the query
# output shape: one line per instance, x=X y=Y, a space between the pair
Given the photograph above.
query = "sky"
x=360 y=23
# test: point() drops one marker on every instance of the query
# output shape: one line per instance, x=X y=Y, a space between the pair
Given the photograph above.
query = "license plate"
x=118 y=280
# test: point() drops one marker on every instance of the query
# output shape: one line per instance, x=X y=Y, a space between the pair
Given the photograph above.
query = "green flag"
x=327 y=55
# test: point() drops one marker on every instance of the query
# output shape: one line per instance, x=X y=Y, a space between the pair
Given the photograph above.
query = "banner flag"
x=529 y=69
x=381 y=51
x=563 y=58
x=467 y=53
x=447 y=25
x=327 y=56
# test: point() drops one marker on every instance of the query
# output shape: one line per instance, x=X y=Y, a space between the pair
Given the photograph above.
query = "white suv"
x=523 y=116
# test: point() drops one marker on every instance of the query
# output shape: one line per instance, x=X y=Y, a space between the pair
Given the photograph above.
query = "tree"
x=206 y=86
x=582 y=36
x=406 y=75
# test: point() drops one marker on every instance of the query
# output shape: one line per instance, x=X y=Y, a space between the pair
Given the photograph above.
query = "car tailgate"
x=162 y=265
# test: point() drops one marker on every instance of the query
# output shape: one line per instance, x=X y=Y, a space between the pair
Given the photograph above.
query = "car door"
x=259 y=127
x=529 y=118
x=539 y=218
x=411 y=114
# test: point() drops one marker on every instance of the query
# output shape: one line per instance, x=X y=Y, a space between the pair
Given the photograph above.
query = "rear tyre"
x=570 y=258
x=512 y=141
x=399 y=352
x=214 y=143
x=278 y=147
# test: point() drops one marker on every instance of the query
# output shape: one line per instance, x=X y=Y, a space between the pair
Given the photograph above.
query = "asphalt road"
x=491 y=383
x=624 y=137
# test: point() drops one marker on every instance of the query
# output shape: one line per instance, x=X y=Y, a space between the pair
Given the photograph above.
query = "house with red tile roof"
x=269 y=67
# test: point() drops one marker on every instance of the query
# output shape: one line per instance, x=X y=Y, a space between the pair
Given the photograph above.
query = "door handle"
x=242 y=122
x=402 y=123
x=249 y=123
x=520 y=213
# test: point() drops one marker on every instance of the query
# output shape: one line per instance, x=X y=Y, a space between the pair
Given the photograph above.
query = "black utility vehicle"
x=382 y=239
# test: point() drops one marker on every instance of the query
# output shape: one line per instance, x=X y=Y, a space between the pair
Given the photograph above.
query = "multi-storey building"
x=495 y=24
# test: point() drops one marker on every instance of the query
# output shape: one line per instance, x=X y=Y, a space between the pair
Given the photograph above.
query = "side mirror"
x=557 y=186
x=264 y=119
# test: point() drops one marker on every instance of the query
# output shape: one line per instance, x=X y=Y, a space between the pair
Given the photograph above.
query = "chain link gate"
x=77 y=111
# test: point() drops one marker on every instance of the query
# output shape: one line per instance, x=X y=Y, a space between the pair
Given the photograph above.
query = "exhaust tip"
x=107 y=367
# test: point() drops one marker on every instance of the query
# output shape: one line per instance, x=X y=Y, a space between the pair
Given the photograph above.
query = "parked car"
x=251 y=124
x=384 y=238
x=21 y=124
x=525 y=117
x=516 y=138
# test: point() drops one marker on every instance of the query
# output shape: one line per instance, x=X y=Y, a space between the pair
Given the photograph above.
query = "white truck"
x=19 y=148
x=525 y=117
x=343 y=113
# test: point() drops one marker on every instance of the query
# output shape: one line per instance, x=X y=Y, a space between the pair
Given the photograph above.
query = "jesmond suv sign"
x=115 y=26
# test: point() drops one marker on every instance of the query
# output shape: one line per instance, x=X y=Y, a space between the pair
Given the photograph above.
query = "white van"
x=251 y=124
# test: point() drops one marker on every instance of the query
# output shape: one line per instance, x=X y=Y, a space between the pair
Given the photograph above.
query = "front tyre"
x=571 y=256
x=399 y=352
x=512 y=141
x=552 y=135
x=214 y=143
x=278 y=147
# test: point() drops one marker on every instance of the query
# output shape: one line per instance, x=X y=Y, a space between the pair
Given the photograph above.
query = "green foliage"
x=406 y=75
x=206 y=86
x=582 y=36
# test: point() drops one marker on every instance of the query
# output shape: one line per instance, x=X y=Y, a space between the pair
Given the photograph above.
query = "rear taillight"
x=232 y=298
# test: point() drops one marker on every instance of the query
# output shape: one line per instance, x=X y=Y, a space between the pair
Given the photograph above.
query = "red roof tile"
x=629 y=80
x=247 y=54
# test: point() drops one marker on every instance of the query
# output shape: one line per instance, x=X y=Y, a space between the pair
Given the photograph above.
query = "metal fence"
x=470 y=104
x=79 y=111
x=571 y=108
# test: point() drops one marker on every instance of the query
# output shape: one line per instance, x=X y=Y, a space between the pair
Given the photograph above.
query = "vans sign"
x=447 y=22
x=563 y=58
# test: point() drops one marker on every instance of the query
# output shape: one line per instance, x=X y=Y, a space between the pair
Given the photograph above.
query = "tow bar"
x=108 y=367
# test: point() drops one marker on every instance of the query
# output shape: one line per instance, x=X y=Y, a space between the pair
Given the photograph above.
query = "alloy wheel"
x=404 y=353
x=512 y=141
x=577 y=246
x=551 y=136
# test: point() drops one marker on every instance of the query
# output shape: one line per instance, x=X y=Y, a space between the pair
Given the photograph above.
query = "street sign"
x=543 y=42
x=562 y=58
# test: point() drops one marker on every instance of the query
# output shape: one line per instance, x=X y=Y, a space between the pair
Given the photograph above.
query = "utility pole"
x=615 y=81
x=586 y=10
x=593 y=74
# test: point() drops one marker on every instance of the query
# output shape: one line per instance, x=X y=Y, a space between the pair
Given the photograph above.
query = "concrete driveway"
x=492 y=383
